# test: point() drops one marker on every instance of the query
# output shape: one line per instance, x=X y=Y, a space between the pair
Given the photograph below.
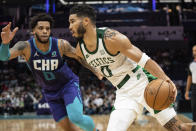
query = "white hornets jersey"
x=114 y=67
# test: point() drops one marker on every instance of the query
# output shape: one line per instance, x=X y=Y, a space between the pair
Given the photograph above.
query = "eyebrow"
x=44 y=26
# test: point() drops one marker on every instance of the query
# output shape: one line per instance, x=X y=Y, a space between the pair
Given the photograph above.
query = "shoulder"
x=62 y=41
x=63 y=44
x=21 y=45
x=25 y=47
x=111 y=35
x=116 y=40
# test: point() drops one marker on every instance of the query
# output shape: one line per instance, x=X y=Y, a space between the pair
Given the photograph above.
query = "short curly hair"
x=41 y=17
x=84 y=10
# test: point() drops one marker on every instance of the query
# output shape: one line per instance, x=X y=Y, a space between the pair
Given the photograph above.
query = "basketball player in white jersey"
x=125 y=66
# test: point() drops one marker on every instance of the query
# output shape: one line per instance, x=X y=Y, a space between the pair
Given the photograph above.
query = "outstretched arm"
x=70 y=51
x=6 y=36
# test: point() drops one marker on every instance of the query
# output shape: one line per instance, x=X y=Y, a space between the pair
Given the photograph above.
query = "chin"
x=79 y=37
x=45 y=41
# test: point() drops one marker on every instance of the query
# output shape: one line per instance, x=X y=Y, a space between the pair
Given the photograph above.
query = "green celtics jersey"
x=113 y=67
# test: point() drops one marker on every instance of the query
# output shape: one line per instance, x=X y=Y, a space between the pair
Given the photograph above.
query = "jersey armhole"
x=107 y=50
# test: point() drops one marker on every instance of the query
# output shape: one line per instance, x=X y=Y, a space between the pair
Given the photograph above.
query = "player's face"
x=76 y=26
x=42 y=31
x=194 y=51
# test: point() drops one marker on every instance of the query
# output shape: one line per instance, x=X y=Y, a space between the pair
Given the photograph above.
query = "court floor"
x=144 y=123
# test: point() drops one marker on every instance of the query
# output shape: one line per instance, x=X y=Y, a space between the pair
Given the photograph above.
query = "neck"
x=43 y=47
x=90 y=37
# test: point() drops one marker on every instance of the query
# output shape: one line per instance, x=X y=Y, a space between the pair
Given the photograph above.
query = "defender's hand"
x=7 y=35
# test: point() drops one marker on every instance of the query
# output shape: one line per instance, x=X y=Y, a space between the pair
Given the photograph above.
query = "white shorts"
x=131 y=96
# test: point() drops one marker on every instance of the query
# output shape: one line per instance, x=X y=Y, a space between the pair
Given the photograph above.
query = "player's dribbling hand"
x=174 y=91
x=7 y=35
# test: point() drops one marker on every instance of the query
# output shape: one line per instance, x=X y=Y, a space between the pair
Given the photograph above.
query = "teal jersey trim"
x=44 y=53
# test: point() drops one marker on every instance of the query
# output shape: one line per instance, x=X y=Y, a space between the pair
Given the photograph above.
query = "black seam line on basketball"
x=146 y=92
x=167 y=97
x=157 y=93
x=145 y=95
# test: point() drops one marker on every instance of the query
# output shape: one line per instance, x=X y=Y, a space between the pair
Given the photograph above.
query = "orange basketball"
x=158 y=94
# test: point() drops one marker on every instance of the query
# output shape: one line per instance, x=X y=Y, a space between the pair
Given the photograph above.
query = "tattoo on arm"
x=62 y=46
x=18 y=49
x=85 y=64
x=21 y=45
x=173 y=125
x=67 y=49
x=109 y=34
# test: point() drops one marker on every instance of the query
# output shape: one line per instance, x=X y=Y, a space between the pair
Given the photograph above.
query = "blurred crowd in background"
x=19 y=93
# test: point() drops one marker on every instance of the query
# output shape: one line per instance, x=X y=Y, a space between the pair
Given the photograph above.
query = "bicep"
x=17 y=49
x=133 y=53
x=123 y=45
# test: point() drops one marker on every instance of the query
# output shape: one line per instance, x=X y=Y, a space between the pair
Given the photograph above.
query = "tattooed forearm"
x=21 y=45
x=109 y=34
x=170 y=124
x=85 y=64
x=173 y=125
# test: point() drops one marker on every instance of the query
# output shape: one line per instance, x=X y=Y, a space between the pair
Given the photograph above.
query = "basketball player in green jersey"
x=125 y=66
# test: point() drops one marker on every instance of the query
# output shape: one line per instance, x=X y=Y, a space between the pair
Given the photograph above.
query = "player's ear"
x=33 y=32
x=86 y=21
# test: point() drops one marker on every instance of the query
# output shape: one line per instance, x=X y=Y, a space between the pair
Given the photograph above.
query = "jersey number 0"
x=49 y=76
x=106 y=71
